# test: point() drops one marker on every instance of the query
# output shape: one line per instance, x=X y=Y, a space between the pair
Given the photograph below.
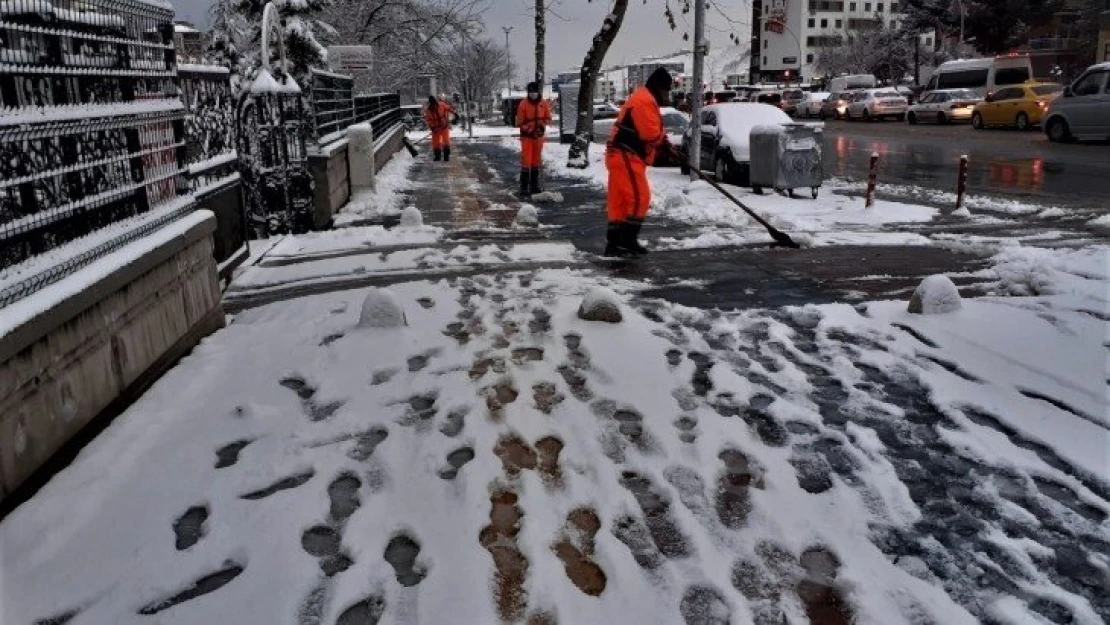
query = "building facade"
x=793 y=33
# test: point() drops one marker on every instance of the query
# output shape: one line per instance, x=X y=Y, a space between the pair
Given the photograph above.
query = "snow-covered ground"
x=499 y=458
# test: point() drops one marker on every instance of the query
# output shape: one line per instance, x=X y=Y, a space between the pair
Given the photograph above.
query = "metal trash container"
x=785 y=157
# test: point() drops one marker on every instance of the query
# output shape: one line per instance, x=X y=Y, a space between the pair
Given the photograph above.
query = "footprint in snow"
x=401 y=554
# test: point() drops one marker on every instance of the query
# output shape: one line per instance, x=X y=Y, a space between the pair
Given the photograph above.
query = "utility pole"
x=509 y=63
x=700 y=49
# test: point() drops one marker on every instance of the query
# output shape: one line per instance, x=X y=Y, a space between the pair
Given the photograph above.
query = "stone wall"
x=96 y=349
x=333 y=188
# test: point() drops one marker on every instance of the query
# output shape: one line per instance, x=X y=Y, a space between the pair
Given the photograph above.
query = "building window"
x=851 y=6
x=824 y=23
x=928 y=41
x=840 y=23
x=765 y=42
x=809 y=58
x=866 y=7
x=811 y=22
x=880 y=9
x=764 y=61
x=893 y=7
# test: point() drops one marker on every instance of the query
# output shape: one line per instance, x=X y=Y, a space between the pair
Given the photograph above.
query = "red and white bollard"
x=961 y=183
x=872 y=178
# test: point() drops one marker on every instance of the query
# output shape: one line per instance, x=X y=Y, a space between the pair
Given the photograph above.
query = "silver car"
x=950 y=105
x=876 y=104
x=1083 y=111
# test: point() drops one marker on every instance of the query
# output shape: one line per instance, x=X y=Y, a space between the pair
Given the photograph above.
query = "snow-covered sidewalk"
x=499 y=458
x=484 y=454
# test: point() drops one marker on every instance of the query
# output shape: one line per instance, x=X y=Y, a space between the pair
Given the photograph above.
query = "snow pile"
x=390 y=184
x=601 y=304
x=528 y=216
x=381 y=309
x=962 y=212
x=548 y=197
x=936 y=295
x=1100 y=222
x=411 y=217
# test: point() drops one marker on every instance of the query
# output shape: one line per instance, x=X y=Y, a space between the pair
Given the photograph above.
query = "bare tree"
x=410 y=37
x=583 y=127
x=473 y=68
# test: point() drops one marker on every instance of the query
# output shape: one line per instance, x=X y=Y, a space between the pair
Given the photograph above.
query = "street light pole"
x=509 y=64
x=695 y=107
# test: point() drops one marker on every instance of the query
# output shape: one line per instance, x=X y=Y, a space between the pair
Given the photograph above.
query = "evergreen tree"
x=301 y=27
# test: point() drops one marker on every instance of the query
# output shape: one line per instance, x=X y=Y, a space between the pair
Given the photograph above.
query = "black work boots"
x=441 y=155
x=621 y=240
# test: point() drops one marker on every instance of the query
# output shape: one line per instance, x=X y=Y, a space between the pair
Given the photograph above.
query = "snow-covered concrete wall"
x=99 y=337
x=331 y=177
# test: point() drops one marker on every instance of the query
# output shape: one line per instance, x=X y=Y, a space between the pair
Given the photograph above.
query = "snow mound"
x=961 y=212
x=381 y=309
x=935 y=295
x=411 y=217
x=676 y=200
x=528 y=216
x=1100 y=222
x=601 y=304
x=551 y=197
x=582 y=162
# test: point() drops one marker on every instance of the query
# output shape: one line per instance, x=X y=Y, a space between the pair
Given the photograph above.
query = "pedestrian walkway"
x=471 y=199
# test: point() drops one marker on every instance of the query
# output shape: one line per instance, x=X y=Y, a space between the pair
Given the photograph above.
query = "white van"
x=851 y=83
x=982 y=76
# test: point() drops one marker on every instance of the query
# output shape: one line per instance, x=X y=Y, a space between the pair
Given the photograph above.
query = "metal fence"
x=91 y=127
x=335 y=107
x=381 y=110
x=209 y=123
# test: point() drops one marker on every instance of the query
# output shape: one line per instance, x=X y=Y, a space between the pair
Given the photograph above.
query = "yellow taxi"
x=1020 y=106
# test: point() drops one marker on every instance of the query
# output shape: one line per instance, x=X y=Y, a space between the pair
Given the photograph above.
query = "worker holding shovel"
x=533 y=116
x=437 y=114
x=637 y=138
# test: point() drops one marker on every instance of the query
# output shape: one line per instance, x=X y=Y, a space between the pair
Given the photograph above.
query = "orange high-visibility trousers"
x=441 y=139
x=629 y=194
x=531 y=152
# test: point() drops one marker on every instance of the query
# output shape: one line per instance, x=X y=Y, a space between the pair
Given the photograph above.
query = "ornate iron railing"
x=91 y=127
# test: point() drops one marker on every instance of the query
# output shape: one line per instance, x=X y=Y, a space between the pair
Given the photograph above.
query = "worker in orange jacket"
x=638 y=136
x=533 y=116
x=437 y=114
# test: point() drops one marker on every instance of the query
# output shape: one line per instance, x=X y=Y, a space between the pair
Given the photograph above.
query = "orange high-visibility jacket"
x=531 y=116
x=639 y=129
x=438 y=117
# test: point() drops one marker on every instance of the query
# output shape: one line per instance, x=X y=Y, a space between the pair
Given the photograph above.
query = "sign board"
x=789 y=60
x=350 y=58
x=568 y=111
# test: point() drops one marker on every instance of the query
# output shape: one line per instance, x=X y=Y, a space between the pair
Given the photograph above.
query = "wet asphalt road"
x=1008 y=164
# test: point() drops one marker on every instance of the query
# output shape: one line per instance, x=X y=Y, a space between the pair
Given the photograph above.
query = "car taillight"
x=1042 y=104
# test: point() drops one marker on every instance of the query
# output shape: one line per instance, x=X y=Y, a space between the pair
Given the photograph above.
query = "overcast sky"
x=644 y=32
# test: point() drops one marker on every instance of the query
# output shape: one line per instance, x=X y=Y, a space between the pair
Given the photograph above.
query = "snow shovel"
x=411 y=147
x=781 y=238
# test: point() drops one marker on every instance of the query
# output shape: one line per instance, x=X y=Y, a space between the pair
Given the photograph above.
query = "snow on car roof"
x=748 y=114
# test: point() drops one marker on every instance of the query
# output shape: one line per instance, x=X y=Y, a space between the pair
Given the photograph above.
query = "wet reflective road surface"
x=1009 y=164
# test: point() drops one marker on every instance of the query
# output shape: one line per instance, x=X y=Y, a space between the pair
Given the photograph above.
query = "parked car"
x=1083 y=111
x=836 y=105
x=412 y=117
x=951 y=105
x=811 y=106
x=725 y=130
x=720 y=97
x=791 y=100
x=774 y=98
x=676 y=122
x=872 y=104
x=1019 y=107
x=606 y=110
